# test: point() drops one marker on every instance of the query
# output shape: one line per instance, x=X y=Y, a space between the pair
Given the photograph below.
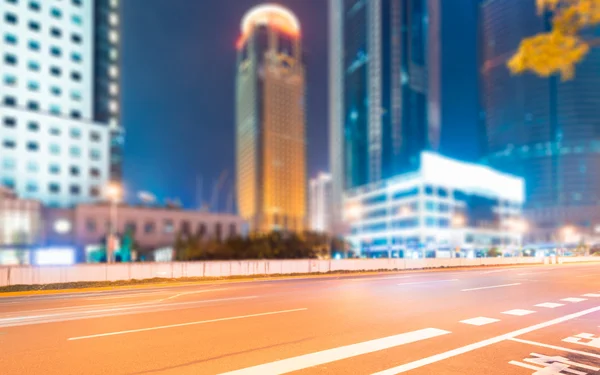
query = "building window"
x=10 y=59
x=54 y=131
x=113 y=19
x=55 y=71
x=76 y=38
x=33 y=66
x=75 y=133
x=31 y=187
x=149 y=227
x=95 y=137
x=33 y=126
x=75 y=76
x=10 y=80
x=95 y=154
x=9 y=143
x=10 y=18
x=33 y=105
x=9 y=164
x=113 y=36
x=54 y=188
x=55 y=51
x=8 y=182
x=219 y=231
x=232 y=230
x=55 y=109
x=54 y=169
x=55 y=32
x=33 y=45
x=54 y=149
x=94 y=172
x=90 y=225
x=10 y=39
x=10 y=101
x=76 y=2
x=33 y=146
x=75 y=114
x=94 y=192
x=9 y=122
x=130 y=227
x=75 y=95
x=75 y=57
x=34 y=5
x=75 y=151
x=75 y=189
x=33 y=85
x=32 y=166
x=76 y=19
x=34 y=26
x=74 y=170
x=55 y=90
x=55 y=12
x=168 y=226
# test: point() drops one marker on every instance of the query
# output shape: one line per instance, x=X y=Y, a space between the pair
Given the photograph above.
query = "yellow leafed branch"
x=559 y=50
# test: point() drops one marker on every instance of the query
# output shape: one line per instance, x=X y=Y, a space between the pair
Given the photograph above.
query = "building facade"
x=384 y=89
x=542 y=129
x=319 y=203
x=60 y=132
x=446 y=208
x=270 y=123
x=20 y=226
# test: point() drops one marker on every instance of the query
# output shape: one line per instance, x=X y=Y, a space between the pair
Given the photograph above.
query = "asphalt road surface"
x=523 y=320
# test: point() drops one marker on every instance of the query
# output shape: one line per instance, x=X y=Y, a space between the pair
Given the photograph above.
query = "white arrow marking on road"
x=331 y=355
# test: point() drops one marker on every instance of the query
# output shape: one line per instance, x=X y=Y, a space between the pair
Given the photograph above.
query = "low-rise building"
x=87 y=225
x=446 y=208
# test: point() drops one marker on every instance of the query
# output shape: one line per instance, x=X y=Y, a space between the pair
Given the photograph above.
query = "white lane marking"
x=489 y=287
x=126 y=309
x=592 y=295
x=382 y=278
x=555 y=347
x=193 y=292
x=331 y=355
x=518 y=312
x=494 y=271
x=428 y=282
x=574 y=300
x=481 y=344
x=480 y=321
x=549 y=305
x=184 y=324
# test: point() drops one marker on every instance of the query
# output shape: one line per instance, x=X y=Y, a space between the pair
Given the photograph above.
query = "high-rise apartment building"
x=319 y=203
x=384 y=89
x=271 y=145
x=542 y=129
x=60 y=131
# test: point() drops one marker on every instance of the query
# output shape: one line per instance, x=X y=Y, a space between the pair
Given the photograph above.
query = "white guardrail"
x=30 y=275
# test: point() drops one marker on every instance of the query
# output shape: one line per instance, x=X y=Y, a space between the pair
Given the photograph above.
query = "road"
x=521 y=320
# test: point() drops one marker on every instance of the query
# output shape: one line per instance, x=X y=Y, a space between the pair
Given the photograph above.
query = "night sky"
x=179 y=91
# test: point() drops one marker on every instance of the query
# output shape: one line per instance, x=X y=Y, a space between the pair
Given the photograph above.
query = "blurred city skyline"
x=179 y=77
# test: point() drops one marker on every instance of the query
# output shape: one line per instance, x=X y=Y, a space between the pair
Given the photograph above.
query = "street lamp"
x=458 y=221
x=114 y=193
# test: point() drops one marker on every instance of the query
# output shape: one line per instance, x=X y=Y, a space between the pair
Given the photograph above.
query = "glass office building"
x=445 y=208
x=542 y=129
x=384 y=88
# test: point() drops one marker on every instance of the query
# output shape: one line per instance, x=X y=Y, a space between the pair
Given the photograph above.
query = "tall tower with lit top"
x=270 y=121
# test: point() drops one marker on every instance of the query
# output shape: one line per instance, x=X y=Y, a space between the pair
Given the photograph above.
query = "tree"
x=568 y=42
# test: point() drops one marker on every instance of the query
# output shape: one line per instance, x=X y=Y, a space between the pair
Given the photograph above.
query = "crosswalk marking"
x=285 y=366
x=479 y=321
x=518 y=312
x=549 y=305
x=574 y=300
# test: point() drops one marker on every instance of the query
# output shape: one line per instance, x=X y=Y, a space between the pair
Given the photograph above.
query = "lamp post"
x=113 y=193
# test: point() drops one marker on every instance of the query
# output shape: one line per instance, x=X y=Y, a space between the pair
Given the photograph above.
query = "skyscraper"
x=271 y=156
x=384 y=88
x=319 y=203
x=60 y=132
x=542 y=129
